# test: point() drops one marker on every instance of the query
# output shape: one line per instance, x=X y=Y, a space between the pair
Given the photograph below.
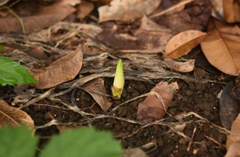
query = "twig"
x=20 y=20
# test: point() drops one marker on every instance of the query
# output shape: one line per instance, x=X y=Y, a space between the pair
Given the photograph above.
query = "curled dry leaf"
x=183 y=43
x=62 y=70
x=97 y=85
x=187 y=66
x=221 y=47
x=13 y=116
x=125 y=10
x=152 y=107
x=233 y=140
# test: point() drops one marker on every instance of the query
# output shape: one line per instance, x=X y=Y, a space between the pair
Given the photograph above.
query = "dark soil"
x=161 y=139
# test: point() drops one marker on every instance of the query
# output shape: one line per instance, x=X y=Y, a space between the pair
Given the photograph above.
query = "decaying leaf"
x=186 y=66
x=231 y=10
x=149 y=38
x=13 y=116
x=97 y=85
x=182 y=43
x=62 y=70
x=125 y=10
x=228 y=106
x=46 y=17
x=221 y=47
x=233 y=140
x=152 y=107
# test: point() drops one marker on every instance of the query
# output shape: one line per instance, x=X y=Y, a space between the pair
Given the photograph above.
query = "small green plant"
x=86 y=142
x=119 y=81
x=12 y=72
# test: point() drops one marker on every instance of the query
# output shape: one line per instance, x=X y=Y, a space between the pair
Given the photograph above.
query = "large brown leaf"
x=97 y=85
x=222 y=46
x=125 y=10
x=183 y=43
x=62 y=70
x=45 y=17
x=13 y=116
x=152 y=107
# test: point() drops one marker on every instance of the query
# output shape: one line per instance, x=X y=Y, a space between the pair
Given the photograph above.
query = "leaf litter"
x=140 y=43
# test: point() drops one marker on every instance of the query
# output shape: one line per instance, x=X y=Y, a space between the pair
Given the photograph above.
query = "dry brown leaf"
x=13 y=116
x=195 y=16
x=125 y=10
x=149 y=38
x=62 y=70
x=231 y=10
x=187 y=66
x=44 y=18
x=183 y=43
x=152 y=108
x=84 y=9
x=221 y=47
x=97 y=85
x=233 y=140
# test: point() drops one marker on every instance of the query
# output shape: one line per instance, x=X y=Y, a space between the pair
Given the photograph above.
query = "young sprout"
x=118 y=82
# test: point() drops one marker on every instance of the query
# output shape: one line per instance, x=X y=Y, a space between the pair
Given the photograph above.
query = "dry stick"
x=171 y=8
x=20 y=20
x=215 y=141
x=190 y=143
x=40 y=97
x=221 y=129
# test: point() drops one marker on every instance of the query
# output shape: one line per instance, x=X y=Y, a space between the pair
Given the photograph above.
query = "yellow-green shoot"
x=118 y=82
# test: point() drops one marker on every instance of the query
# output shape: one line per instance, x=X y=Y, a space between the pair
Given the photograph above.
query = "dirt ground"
x=191 y=128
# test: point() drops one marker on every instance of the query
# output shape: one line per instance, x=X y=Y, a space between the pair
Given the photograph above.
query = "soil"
x=193 y=113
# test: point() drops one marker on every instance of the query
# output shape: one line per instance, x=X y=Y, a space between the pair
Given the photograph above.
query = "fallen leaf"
x=195 y=16
x=97 y=85
x=233 y=140
x=134 y=152
x=221 y=47
x=199 y=72
x=228 y=106
x=231 y=10
x=13 y=116
x=186 y=66
x=45 y=17
x=62 y=70
x=152 y=108
x=84 y=9
x=148 y=38
x=183 y=43
x=125 y=10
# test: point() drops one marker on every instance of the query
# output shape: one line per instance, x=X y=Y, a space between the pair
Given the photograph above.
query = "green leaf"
x=17 y=142
x=12 y=72
x=1 y=47
x=85 y=142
